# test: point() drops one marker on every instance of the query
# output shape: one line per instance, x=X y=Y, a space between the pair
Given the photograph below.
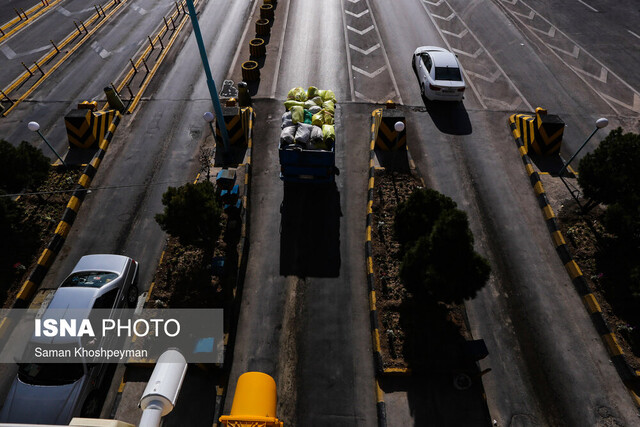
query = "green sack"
x=328 y=134
x=329 y=95
x=291 y=103
x=327 y=117
x=311 y=92
x=329 y=106
x=297 y=94
x=318 y=119
x=318 y=100
x=307 y=117
x=297 y=114
x=321 y=93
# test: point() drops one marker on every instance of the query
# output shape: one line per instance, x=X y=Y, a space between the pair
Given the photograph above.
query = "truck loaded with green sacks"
x=308 y=137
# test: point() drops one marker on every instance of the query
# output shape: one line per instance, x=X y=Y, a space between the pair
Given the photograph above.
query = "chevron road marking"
x=448 y=18
x=390 y=95
x=575 y=53
x=471 y=55
x=361 y=32
x=365 y=52
x=636 y=102
x=459 y=35
x=491 y=79
x=603 y=74
x=438 y=3
x=354 y=1
x=550 y=33
x=529 y=16
x=357 y=15
x=370 y=75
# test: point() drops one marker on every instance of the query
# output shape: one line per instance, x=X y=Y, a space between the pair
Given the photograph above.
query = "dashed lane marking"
x=589 y=6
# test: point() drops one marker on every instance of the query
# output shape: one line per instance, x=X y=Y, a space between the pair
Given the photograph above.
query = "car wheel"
x=422 y=90
x=413 y=65
x=92 y=406
x=132 y=296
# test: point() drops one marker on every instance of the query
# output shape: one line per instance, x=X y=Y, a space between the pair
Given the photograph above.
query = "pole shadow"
x=310 y=230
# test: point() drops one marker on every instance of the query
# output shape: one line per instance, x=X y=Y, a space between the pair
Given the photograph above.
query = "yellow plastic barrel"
x=255 y=395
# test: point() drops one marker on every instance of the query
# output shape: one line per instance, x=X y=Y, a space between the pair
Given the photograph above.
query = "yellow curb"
x=558 y=238
x=591 y=303
x=573 y=269
x=612 y=344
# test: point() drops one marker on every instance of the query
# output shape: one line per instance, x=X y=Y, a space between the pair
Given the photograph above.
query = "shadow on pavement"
x=549 y=164
x=445 y=387
x=310 y=230
x=395 y=161
x=449 y=117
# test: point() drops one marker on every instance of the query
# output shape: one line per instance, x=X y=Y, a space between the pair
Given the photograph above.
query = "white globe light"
x=602 y=122
x=208 y=116
x=33 y=126
x=399 y=126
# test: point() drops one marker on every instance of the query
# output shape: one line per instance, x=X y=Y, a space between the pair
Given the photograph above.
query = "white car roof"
x=102 y=262
x=441 y=57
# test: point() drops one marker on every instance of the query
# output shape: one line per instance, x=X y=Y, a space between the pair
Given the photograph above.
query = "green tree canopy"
x=192 y=214
x=610 y=175
x=441 y=262
x=416 y=216
x=22 y=167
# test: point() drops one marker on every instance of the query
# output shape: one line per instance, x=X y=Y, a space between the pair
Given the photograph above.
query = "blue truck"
x=307 y=165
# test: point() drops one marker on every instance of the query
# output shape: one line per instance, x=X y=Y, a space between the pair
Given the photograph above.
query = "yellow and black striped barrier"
x=541 y=132
x=386 y=136
x=627 y=374
x=239 y=122
x=86 y=128
x=64 y=226
x=373 y=314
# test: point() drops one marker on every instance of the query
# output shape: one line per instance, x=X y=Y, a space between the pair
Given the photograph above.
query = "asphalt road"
x=304 y=317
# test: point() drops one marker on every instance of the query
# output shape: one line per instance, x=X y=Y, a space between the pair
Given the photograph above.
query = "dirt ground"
x=404 y=339
x=42 y=215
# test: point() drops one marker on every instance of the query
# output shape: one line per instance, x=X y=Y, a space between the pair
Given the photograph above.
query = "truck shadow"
x=310 y=230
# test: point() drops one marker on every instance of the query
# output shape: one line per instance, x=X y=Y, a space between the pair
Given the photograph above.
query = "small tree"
x=192 y=214
x=416 y=216
x=22 y=167
x=441 y=262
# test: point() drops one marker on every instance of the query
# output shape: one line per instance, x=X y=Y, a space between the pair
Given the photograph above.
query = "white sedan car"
x=439 y=74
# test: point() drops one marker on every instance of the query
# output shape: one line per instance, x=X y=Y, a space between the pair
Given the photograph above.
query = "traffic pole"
x=210 y=83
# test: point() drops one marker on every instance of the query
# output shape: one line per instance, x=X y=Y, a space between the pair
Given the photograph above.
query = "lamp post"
x=600 y=123
x=35 y=127
x=210 y=83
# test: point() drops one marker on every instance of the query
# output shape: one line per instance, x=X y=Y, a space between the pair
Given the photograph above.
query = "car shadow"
x=449 y=117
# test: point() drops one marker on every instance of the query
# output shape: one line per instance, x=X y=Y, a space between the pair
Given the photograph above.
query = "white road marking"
x=575 y=53
x=65 y=12
x=370 y=75
x=357 y=15
x=459 y=35
x=284 y=31
x=448 y=18
x=365 y=52
x=491 y=79
x=603 y=74
x=589 y=6
x=138 y=9
x=635 y=106
x=389 y=96
x=529 y=16
x=633 y=34
x=438 y=3
x=354 y=1
x=8 y=52
x=470 y=55
x=363 y=32
x=636 y=101
x=104 y=54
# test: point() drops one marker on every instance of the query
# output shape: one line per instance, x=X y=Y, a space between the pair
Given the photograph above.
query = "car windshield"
x=50 y=373
x=448 y=73
x=89 y=279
